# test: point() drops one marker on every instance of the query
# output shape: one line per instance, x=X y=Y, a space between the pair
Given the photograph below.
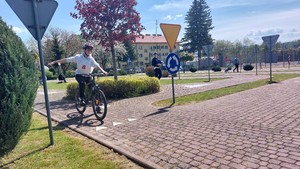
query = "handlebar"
x=96 y=74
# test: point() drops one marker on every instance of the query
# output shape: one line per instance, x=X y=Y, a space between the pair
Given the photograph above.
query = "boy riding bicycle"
x=85 y=65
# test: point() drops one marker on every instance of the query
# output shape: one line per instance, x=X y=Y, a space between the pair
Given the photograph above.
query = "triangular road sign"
x=208 y=49
x=270 y=40
x=25 y=11
x=171 y=32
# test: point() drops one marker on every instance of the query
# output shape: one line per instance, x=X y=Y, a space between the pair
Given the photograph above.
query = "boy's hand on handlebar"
x=105 y=73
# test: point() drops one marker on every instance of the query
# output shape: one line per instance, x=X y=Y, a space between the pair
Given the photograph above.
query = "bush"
x=216 y=68
x=165 y=73
x=248 y=67
x=150 y=71
x=122 y=88
x=19 y=83
x=70 y=73
x=50 y=75
x=192 y=69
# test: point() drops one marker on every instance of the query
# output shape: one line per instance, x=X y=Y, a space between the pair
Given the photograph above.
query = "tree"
x=185 y=56
x=108 y=22
x=60 y=44
x=199 y=23
x=18 y=89
x=130 y=51
x=220 y=49
x=101 y=56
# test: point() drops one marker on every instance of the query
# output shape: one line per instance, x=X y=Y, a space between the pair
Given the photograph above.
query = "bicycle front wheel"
x=99 y=104
x=78 y=104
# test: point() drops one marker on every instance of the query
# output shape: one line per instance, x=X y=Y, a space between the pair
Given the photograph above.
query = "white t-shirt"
x=85 y=65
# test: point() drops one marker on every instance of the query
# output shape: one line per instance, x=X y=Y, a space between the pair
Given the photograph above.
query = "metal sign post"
x=270 y=42
x=208 y=49
x=255 y=51
x=171 y=32
x=36 y=15
x=173 y=65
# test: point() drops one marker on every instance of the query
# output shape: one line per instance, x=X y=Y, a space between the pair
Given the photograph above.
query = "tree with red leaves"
x=108 y=22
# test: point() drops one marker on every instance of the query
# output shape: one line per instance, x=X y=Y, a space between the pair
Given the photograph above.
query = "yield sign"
x=171 y=32
x=24 y=9
x=270 y=40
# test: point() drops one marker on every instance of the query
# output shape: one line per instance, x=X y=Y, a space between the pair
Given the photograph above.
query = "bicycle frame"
x=99 y=102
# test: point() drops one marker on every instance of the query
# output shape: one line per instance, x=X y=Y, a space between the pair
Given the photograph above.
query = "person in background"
x=85 y=65
x=236 y=63
x=156 y=63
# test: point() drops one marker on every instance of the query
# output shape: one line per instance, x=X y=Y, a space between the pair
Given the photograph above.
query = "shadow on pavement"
x=160 y=111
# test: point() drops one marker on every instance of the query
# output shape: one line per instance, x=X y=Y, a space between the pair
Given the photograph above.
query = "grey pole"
x=255 y=48
x=270 y=62
x=173 y=88
x=43 y=70
x=208 y=57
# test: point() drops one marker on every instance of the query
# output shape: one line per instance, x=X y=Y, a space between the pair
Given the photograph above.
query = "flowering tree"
x=108 y=22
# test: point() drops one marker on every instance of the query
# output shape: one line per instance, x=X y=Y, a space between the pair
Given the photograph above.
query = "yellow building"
x=146 y=45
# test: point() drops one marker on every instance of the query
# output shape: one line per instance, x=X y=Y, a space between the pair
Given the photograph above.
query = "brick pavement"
x=258 y=128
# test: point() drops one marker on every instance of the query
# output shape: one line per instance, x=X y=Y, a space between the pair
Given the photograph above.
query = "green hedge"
x=19 y=83
x=122 y=88
x=248 y=67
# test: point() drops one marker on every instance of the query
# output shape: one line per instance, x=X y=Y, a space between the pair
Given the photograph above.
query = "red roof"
x=151 y=39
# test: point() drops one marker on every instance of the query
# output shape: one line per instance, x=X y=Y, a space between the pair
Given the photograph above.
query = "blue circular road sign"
x=172 y=63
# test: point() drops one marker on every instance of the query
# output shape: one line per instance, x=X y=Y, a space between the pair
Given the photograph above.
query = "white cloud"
x=18 y=30
x=175 y=5
x=178 y=16
x=169 y=17
x=285 y=23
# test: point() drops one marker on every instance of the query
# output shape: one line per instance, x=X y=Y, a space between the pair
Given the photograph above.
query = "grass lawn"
x=211 y=94
x=70 y=150
x=187 y=81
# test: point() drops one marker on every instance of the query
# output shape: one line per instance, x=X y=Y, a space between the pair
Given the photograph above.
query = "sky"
x=233 y=20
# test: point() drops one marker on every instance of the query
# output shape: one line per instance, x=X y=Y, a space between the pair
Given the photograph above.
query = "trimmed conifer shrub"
x=18 y=81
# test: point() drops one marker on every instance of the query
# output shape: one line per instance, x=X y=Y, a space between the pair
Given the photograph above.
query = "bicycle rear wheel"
x=99 y=104
x=79 y=106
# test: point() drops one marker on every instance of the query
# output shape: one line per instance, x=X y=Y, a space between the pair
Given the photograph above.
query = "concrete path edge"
x=138 y=160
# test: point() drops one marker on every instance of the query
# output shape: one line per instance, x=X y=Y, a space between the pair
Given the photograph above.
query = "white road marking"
x=195 y=85
x=117 y=123
x=129 y=119
x=100 y=128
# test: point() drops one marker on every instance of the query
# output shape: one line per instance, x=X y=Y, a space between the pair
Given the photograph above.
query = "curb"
x=136 y=159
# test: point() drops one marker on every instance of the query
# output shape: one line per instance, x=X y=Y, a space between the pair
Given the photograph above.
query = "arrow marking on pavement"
x=117 y=123
x=100 y=128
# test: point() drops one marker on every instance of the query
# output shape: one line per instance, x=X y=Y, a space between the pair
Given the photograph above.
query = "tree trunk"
x=199 y=57
x=114 y=62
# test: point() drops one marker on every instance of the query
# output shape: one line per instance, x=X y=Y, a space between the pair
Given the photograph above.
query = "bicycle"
x=99 y=102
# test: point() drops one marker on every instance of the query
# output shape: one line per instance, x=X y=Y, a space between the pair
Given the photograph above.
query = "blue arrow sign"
x=172 y=63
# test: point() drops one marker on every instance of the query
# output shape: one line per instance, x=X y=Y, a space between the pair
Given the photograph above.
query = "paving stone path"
x=257 y=128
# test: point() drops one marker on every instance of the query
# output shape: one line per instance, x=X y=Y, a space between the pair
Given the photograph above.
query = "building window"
x=141 y=55
x=140 y=47
x=145 y=51
x=166 y=47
